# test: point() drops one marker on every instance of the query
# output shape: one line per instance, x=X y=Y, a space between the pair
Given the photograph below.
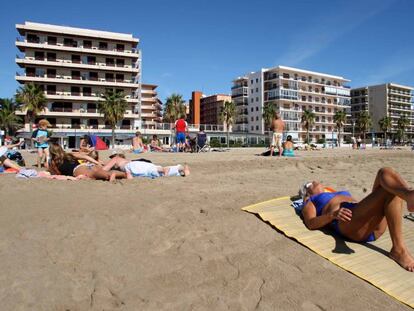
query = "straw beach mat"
x=368 y=261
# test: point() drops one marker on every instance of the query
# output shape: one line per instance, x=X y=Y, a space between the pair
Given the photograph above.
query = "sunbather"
x=365 y=220
x=6 y=162
x=145 y=169
x=62 y=163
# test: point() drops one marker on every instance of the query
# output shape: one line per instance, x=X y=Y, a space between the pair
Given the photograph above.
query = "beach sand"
x=180 y=243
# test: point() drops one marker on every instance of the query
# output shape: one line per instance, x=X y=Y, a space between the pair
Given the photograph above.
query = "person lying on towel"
x=366 y=220
x=145 y=169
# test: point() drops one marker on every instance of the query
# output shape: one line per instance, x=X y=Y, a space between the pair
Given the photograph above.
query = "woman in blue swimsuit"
x=368 y=219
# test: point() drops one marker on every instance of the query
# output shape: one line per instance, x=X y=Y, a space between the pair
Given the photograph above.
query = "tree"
x=113 y=107
x=33 y=100
x=340 y=120
x=174 y=108
x=364 y=122
x=228 y=113
x=385 y=125
x=402 y=124
x=308 y=120
x=269 y=111
x=8 y=119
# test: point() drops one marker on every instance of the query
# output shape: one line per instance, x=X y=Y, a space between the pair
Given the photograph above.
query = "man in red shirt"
x=181 y=127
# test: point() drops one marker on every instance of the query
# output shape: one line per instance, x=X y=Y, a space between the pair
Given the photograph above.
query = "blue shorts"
x=137 y=151
x=335 y=224
x=180 y=138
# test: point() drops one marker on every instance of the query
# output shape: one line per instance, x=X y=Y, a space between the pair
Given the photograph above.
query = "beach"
x=181 y=243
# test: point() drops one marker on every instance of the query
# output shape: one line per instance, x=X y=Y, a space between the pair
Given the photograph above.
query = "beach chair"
x=202 y=143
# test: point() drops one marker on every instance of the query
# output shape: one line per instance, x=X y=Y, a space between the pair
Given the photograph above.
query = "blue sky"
x=203 y=45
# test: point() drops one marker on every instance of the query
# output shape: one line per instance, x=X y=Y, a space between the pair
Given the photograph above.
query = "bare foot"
x=403 y=258
x=410 y=201
x=186 y=170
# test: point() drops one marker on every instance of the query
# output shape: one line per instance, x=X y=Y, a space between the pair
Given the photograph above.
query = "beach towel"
x=27 y=173
x=368 y=261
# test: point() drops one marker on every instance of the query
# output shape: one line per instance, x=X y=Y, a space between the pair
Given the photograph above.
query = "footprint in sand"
x=310 y=306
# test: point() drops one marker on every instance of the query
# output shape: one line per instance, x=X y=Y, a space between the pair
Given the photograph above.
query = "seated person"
x=155 y=144
x=190 y=143
x=85 y=144
x=137 y=144
x=367 y=219
x=145 y=169
x=201 y=139
x=288 y=147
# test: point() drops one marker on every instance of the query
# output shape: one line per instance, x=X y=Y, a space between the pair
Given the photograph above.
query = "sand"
x=180 y=243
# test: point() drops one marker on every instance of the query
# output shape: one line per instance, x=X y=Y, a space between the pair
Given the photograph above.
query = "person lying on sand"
x=145 y=169
x=6 y=162
x=63 y=163
x=366 y=220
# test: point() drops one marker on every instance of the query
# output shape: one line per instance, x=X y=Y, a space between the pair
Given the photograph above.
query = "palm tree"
x=228 y=112
x=174 y=108
x=340 y=120
x=113 y=108
x=8 y=119
x=402 y=124
x=308 y=120
x=269 y=111
x=364 y=123
x=33 y=100
x=385 y=125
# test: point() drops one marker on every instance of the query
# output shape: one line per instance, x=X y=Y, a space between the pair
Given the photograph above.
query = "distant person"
x=359 y=141
x=85 y=144
x=155 y=144
x=137 y=144
x=41 y=137
x=354 y=142
x=181 y=128
x=288 y=147
x=278 y=127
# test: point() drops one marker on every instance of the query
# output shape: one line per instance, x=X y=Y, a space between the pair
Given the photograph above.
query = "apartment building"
x=74 y=66
x=389 y=99
x=211 y=108
x=151 y=106
x=239 y=95
x=291 y=91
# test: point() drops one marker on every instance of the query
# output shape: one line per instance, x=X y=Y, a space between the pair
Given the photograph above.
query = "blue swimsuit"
x=320 y=200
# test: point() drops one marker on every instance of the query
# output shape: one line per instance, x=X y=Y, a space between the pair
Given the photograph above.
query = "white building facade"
x=291 y=91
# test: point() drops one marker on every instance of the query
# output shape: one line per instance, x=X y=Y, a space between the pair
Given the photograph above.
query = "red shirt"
x=180 y=125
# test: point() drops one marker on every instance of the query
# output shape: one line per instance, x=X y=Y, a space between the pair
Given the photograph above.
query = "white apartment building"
x=74 y=66
x=291 y=90
x=389 y=99
x=151 y=106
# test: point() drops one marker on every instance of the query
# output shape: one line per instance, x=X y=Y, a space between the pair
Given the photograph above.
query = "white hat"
x=303 y=190
x=3 y=151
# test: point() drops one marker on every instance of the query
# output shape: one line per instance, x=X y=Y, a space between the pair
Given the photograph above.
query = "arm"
x=312 y=221
x=82 y=156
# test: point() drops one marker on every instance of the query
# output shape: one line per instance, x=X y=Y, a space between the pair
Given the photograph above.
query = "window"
x=252 y=109
x=87 y=91
x=76 y=75
x=257 y=118
x=252 y=119
x=251 y=81
x=252 y=127
x=91 y=108
x=93 y=76
x=75 y=123
x=40 y=72
x=119 y=77
x=93 y=123
x=257 y=80
x=251 y=99
x=257 y=127
x=51 y=89
x=39 y=55
x=91 y=60
x=257 y=99
x=51 y=73
x=251 y=91
x=120 y=47
x=30 y=71
x=69 y=42
x=75 y=90
x=109 y=61
x=109 y=77
x=120 y=63
x=76 y=59
x=51 y=40
x=51 y=57
x=103 y=45
x=257 y=108
x=87 y=44
x=257 y=89
x=31 y=38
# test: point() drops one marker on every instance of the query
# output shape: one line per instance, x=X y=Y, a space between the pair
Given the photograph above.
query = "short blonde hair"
x=44 y=122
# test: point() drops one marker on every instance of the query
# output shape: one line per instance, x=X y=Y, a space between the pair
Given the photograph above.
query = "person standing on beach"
x=40 y=137
x=278 y=127
x=181 y=128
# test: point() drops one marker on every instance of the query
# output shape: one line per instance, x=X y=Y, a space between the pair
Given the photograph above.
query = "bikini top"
x=67 y=167
x=320 y=200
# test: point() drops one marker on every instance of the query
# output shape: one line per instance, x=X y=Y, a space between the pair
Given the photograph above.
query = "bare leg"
x=46 y=152
x=272 y=149
x=39 y=157
x=11 y=164
x=118 y=161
